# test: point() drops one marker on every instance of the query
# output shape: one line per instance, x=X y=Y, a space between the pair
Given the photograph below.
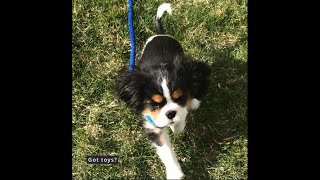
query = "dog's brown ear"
x=129 y=88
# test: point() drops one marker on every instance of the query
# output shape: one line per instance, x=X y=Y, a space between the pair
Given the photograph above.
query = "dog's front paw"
x=178 y=128
x=173 y=174
x=195 y=103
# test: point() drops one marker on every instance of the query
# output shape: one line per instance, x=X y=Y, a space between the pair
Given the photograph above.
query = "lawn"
x=214 y=143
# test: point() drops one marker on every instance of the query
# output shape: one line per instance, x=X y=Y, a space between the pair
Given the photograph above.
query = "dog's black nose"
x=171 y=114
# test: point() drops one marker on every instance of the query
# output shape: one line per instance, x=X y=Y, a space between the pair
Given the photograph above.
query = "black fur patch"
x=153 y=137
x=163 y=58
x=159 y=28
x=130 y=88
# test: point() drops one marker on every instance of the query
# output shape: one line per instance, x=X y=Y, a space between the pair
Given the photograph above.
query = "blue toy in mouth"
x=150 y=120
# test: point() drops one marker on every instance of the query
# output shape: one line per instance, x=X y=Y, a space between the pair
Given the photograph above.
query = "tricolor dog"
x=164 y=86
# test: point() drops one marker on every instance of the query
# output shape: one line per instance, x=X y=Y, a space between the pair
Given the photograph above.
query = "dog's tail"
x=161 y=9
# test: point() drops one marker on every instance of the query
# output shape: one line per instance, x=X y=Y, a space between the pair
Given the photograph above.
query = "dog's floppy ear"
x=129 y=88
x=195 y=73
x=200 y=73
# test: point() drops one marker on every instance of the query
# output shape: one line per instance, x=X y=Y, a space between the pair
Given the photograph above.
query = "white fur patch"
x=165 y=89
x=169 y=159
x=179 y=127
x=162 y=8
x=195 y=103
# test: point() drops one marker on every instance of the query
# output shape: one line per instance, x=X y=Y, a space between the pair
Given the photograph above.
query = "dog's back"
x=160 y=49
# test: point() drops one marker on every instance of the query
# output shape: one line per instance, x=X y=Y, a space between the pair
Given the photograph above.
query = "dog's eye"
x=153 y=105
x=156 y=107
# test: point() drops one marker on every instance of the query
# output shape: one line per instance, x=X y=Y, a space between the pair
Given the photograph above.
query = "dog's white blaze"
x=165 y=89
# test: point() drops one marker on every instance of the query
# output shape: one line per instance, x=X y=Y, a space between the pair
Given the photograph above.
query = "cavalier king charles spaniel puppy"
x=164 y=86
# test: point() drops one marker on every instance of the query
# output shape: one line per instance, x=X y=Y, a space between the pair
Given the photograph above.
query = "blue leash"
x=132 y=38
x=133 y=46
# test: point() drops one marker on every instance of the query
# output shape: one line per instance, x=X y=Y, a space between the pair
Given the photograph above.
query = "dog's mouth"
x=168 y=125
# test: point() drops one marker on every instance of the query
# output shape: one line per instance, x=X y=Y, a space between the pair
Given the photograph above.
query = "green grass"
x=214 y=143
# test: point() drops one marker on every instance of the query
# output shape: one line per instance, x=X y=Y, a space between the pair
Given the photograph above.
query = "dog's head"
x=164 y=92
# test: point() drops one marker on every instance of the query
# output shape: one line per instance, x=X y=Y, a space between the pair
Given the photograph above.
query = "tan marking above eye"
x=177 y=94
x=157 y=98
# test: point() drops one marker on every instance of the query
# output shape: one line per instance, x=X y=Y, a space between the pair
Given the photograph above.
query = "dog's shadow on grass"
x=221 y=118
